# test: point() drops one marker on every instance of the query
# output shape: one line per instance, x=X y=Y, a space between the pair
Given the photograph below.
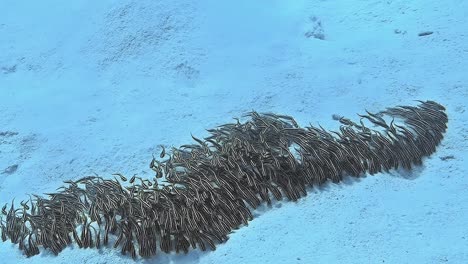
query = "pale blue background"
x=96 y=86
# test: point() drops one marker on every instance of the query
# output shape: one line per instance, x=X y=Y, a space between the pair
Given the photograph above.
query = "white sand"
x=96 y=86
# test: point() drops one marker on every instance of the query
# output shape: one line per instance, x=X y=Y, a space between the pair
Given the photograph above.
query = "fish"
x=163 y=152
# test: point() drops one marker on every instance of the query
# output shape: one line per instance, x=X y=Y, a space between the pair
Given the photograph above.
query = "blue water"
x=96 y=86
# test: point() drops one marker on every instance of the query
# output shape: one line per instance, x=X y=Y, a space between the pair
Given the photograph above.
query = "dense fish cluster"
x=211 y=187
